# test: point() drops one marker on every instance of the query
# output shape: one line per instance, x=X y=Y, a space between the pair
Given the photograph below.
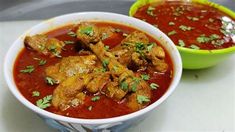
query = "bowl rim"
x=222 y=8
x=13 y=88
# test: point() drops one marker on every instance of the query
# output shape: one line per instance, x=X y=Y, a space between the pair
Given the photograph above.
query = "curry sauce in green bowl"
x=203 y=31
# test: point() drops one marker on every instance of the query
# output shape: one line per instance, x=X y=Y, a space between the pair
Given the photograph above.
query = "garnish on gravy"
x=92 y=70
x=191 y=25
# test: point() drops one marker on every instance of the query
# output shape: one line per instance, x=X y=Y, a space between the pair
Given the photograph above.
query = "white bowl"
x=115 y=123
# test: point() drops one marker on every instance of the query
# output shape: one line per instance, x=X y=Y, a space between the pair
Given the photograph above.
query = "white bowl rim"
x=23 y=100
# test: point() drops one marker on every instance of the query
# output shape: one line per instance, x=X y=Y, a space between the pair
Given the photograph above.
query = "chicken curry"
x=93 y=70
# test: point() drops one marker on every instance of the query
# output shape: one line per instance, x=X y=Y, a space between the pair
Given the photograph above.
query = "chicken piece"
x=124 y=75
x=42 y=44
x=98 y=81
x=113 y=91
x=142 y=90
x=72 y=65
x=135 y=37
x=157 y=56
x=88 y=33
x=69 y=93
x=127 y=54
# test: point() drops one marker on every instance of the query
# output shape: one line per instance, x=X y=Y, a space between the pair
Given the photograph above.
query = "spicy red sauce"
x=191 y=25
x=103 y=108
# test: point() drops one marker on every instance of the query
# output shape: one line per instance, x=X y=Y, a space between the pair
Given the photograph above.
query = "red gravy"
x=191 y=25
x=105 y=107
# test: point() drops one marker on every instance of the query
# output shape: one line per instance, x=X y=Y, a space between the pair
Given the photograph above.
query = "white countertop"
x=203 y=103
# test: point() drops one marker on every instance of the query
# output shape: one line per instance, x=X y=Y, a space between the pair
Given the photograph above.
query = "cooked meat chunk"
x=97 y=81
x=44 y=45
x=113 y=91
x=72 y=65
x=130 y=53
x=157 y=56
x=135 y=37
x=88 y=33
x=127 y=82
x=69 y=93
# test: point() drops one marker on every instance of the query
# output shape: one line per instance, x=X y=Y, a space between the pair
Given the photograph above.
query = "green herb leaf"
x=185 y=28
x=150 y=11
x=171 y=23
x=50 y=81
x=181 y=43
x=142 y=99
x=96 y=98
x=124 y=86
x=105 y=62
x=145 y=77
x=68 y=42
x=154 y=86
x=134 y=87
x=29 y=69
x=35 y=94
x=44 y=102
x=104 y=36
x=193 y=18
x=42 y=62
x=150 y=46
x=106 y=47
x=87 y=30
x=171 y=33
x=194 y=47
x=72 y=34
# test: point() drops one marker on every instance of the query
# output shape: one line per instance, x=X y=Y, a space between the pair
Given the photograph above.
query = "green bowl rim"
x=205 y=2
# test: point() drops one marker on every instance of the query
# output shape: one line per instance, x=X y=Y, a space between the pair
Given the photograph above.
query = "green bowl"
x=196 y=59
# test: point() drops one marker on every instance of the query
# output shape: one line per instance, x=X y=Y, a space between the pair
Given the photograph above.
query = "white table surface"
x=206 y=103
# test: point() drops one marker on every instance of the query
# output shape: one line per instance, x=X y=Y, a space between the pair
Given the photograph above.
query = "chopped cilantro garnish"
x=154 y=86
x=105 y=62
x=72 y=34
x=181 y=43
x=87 y=30
x=44 y=102
x=171 y=33
x=68 y=42
x=29 y=69
x=145 y=77
x=134 y=87
x=35 y=94
x=204 y=39
x=42 y=62
x=150 y=11
x=185 y=28
x=194 y=47
x=171 y=23
x=104 y=36
x=142 y=99
x=150 y=46
x=106 y=47
x=136 y=79
x=124 y=86
x=95 y=98
x=193 y=18
x=50 y=81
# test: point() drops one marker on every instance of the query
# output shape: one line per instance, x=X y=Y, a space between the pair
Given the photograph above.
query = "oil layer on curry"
x=191 y=24
x=92 y=70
